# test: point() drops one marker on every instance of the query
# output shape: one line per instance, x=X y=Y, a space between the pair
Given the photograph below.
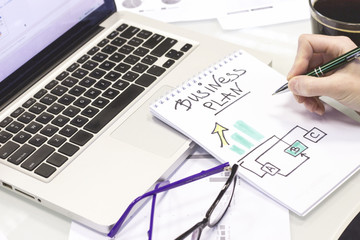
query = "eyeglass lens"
x=222 y=205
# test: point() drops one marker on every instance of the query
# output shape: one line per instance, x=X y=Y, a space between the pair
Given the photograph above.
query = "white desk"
x=22 y=219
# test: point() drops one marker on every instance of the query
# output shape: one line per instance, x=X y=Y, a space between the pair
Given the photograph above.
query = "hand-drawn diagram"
x=282 y=155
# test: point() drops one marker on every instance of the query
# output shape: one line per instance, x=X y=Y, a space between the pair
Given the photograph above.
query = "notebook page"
x=295 y=157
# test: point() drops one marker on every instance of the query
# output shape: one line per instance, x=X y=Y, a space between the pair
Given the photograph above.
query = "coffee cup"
x=336 y=18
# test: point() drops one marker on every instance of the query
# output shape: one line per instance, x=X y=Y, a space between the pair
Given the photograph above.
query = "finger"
x=314 y=50
x=307 y=86
x=314 y=105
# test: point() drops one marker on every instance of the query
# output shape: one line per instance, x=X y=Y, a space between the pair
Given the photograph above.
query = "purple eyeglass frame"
x=159 y=189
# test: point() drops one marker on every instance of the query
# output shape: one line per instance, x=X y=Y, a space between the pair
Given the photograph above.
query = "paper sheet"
x=251 y=215
x=232 y=14
x=172 y=10
x=252 y=13
x=296 y=157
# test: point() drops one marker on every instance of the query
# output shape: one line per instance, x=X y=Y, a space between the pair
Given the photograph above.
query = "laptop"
x=76 y=82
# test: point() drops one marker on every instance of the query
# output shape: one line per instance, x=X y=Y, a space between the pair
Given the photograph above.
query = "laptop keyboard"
x=42 y=134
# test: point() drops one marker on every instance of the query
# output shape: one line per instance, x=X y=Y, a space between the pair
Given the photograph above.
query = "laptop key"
x=37 y=140
x=90 y=112
x=15 y=127
x=112 y=76
x=144 y=34
x=112 y=34
x=81 y=138
x=40 y=93
x=113 y=108
x=69 y=82
x=103 y=42
x=66 y=99
x=57 y=159
x=8 y=120
x=44 y=118
x=56 y=140
x=79 y=121
x=100 y=102
x=126 y=49
x=49 y=130
x=117 y=57
x=51 y=85
x=153 y=41
x=163 y=47
x=62 y=75
x=29 y=102
x=97 y=73
x=68 y=149
x=82 y=102
x=99 y=57
x=80 y=73
x=45 y=170
x=149 y=59
x=87 y=82
x=186 y=47
x=109 y=49
x=90 y=65
x=21 y=137
x=33 y=127
x=156 y=70
x=5 y=136
x=173 y=54
x=93 y=50
x=37 y=157
x=121 y=85
x=26 y=117
x=21 y=154
x=135 y=42
x=118 y=41
x=8 y=149
x=37 y=108
x=122 y=27
x=145 y=80
x=60 y=121
x=71 y=111
x=48 y=99
x=83 y=58
x=68 y=131
x=129 y=32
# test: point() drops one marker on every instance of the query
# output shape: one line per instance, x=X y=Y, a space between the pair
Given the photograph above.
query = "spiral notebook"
x=295 y=157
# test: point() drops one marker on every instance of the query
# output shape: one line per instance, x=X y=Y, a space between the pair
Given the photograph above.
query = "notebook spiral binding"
x=197 y=78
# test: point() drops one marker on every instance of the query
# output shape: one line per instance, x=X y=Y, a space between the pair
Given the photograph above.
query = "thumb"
x=307 y=86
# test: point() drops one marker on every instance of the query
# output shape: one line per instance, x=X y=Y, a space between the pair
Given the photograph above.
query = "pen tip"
x=276 y=92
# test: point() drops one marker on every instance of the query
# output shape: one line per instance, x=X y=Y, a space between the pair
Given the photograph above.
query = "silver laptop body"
x=126 y=156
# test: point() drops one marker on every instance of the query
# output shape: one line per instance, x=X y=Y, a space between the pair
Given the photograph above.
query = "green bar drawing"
x=241 y=140
x=237 y=150
x=251 y=132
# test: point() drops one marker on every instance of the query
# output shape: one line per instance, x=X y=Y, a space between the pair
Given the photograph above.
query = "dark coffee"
x=345 y=12
x=341 y=10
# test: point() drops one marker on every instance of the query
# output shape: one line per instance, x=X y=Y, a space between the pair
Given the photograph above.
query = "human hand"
x=342 y=84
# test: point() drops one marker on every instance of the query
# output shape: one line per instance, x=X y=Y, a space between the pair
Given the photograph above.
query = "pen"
x=320 y=71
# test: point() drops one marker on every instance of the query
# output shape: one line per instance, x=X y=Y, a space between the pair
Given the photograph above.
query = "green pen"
x=320 y=71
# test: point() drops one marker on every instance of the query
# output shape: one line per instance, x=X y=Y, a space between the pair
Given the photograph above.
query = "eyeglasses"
x=213 y=215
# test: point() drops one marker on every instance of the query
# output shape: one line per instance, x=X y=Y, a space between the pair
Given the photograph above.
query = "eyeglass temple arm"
x=150 y=231
x=167 y=187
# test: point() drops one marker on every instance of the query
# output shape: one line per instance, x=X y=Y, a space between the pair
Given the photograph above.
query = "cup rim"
x=350 y=27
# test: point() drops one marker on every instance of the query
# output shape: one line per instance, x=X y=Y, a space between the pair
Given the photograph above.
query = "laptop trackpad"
x=149 y=133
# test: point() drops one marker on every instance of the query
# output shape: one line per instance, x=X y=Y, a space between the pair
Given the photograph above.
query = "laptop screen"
x=28 y=27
